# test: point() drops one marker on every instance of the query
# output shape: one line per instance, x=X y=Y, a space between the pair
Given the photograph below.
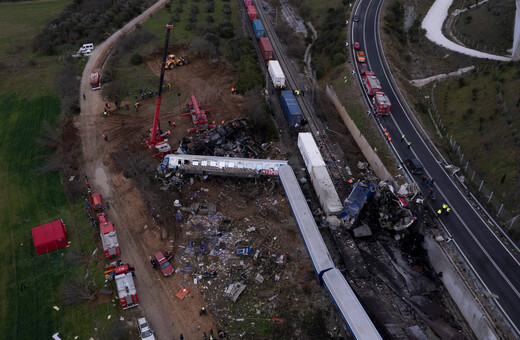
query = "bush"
x=226 y=9
x=210 y=19
x=225 y=29
x=210 y=7
x=194 y=9
x=136 y=59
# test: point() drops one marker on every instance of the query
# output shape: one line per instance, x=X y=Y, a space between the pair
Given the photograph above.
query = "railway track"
x=316 y=126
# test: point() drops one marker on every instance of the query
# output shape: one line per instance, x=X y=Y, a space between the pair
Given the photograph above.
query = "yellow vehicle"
x=172 y=60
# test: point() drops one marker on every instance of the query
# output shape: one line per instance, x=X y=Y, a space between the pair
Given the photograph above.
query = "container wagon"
x=251 y=12
x=291 y=108
x=258 y=28
x=276 y=74
x=319 y=175
x=266 y=48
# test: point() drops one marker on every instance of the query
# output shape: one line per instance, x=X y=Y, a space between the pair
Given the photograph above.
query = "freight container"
x=320 y=177
x=258 y=28
x=248 y=3
x=325 y=191
x=276 y=74
x=309 y=150
x=266 y=48
x=290 y=108
x=251 y=12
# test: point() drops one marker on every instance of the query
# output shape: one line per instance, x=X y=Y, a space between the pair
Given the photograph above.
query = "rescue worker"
x=203 y=311
x=173 y=123
x=444 y=206
x=439 y=212
x=84 y=98
x=222 y=121
x=402 y=137
x=447 y=209
x=409 y=145
x=122 y=122
x=105 y=114
x=169 y=123
x=105 y=137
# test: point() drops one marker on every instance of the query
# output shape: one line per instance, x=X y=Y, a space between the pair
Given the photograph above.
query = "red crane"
x=157 y=139
x=198 y=116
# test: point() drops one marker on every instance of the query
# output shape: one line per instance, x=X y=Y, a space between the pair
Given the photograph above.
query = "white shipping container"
x=276 y=74
x=324 y=188
x=309 y=151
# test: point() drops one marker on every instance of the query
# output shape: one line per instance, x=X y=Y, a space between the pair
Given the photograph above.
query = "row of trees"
x=86 y=21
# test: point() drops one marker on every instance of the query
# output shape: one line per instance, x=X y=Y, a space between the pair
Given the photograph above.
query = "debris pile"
x=233 y=139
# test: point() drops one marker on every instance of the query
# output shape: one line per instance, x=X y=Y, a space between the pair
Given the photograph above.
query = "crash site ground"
x=215 y=216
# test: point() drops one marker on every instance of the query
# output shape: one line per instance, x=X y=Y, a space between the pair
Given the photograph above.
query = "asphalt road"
x=497 y=268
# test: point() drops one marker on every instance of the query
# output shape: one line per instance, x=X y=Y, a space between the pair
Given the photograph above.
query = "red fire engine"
x=108 y=237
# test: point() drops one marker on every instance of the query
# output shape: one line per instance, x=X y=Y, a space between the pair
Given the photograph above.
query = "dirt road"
x=137 y=232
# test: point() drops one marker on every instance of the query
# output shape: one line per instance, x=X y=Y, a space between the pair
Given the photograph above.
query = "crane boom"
x=155 y=136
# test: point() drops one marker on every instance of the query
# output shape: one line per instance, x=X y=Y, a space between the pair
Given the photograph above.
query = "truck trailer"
x=276 y=74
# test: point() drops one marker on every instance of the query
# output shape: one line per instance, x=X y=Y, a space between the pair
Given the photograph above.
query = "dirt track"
x=136 y=230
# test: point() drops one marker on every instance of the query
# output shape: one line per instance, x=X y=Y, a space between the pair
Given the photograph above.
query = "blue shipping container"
x=258 y=28
x=290 y=108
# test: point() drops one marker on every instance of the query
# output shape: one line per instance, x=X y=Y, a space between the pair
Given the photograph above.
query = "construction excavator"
x=173 y=61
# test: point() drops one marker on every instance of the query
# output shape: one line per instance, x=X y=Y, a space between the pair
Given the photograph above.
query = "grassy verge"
x=31 y=198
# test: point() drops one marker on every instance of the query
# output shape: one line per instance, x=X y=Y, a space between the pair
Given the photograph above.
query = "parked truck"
x=276 y=74
x=381 y=103
x=126 y=291
x=371 y=83
x=108 y=237
x=95 y=81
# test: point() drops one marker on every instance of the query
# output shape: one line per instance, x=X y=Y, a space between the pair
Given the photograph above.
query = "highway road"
x=497 y=269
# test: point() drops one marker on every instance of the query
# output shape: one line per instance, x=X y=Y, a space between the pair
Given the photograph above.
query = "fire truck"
x=95 y=82
x=126 y=291
x=108 y=237
x=381 y=104
x=371 y=83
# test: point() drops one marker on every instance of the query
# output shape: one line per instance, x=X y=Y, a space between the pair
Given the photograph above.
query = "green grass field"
x=31 y=199
x=490 y=27
x=20 y=21
x=481 y=116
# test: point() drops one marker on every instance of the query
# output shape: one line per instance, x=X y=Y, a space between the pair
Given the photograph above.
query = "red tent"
x=49 y=237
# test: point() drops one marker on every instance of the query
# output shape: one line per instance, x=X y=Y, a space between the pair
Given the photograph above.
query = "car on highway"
x=415 y=165
x=356 y=45
x=361 y=56
x=363 y=67
x=145 y=332
x=356 y=18
x=164 y=264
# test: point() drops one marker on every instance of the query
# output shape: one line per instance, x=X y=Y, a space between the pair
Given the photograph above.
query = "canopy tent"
x=49 y=237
